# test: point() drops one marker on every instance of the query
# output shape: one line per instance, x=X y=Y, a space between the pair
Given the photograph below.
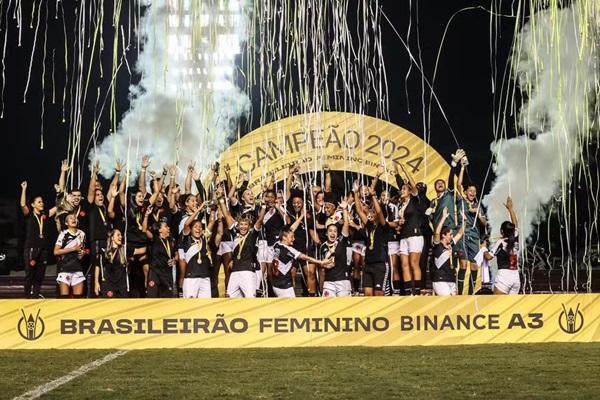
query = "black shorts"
x=160 y=283
x=110 y=291
x=374 y=276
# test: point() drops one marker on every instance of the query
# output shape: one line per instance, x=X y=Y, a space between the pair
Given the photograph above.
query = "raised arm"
x=378 y=211
x=298 y=221
x=375 y=180
x=114 y=183
x=261 y=216
x=24 y=207
x=327 y=186
x=111 y=202
x=346 y=224
x=411 y=181
x=440 y=225
x=511 y=211
x=122 y=187
x=145 y=229
x=459 y=182
x=456 y=157
x=142 y=177
x=189 y=177
x=289 y=180
x=229 y=220
x=358 y=204
x=62 y=179
x=92 y=185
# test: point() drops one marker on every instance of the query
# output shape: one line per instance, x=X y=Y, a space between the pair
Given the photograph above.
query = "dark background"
x=463 y=85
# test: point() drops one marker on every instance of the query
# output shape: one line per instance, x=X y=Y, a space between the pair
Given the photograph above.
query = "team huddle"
x=159 y=239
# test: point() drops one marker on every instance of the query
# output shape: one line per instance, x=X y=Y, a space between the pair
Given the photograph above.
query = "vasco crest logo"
x=570 y=321
x=31 y=328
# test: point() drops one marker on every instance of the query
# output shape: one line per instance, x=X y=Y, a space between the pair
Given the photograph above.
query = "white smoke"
x=186 y=105
x=556 y=66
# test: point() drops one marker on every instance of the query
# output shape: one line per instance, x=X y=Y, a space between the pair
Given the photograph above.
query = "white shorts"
x=508 y=281
x=337 y=288
x=444 y=288
x=413 y=244
x=265 y=252
x=70 y=278
x=226 y=247
x=196 y=288
x=359 y=247
x=242 y=284
x=289 y=292
x=393 y=248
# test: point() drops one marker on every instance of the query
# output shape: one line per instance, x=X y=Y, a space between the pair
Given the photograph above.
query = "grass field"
x=544 y=371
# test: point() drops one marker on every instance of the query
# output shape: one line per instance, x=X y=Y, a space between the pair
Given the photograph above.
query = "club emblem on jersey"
x=570 y=321
x=31 y=328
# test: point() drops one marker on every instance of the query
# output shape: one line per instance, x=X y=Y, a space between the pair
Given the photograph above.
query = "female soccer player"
x=36 y=241
x=377 y=236
x=163 y=257
x=284 y=256
x=337 y=274
x=195 y=254
x=110 y=277
x=506 y=251
x=468 y=247
x=70 y=250
x=443 y=276
x=412 y=212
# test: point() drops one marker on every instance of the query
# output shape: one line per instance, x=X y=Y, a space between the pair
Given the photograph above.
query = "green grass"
x=544 y=371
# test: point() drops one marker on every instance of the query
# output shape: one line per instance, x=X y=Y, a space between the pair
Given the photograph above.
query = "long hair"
x=507 y=229
x=111 y=252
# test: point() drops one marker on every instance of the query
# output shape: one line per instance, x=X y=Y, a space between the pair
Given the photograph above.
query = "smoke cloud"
x=555 y=62
x=186 y=105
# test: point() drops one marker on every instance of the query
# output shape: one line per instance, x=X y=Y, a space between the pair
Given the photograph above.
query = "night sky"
x=463 y=86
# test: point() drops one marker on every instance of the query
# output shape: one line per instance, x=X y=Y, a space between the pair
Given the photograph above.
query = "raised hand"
x=355 y=186
x=64 y=166
x=380 y=170
x=148 y=211
x=227 y=168
x=326 y=168
x=145 y=161
x=458 y=155
x=445 y=212
x=509 y=203
x=152 y=175
x=24 y=185
x=343 y=204
x=119 y=165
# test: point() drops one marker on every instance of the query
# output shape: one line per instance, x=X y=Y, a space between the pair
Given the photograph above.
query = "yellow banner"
x=233 y=323
x=343 y=141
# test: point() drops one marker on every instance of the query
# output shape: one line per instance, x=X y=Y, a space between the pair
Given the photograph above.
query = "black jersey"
x=506 y=259
x=161 y=251
x=413 y=214
x=272 y=224
x=160 y=214
x=244 y=252
x=342 y=268
x=197 y=256
x=135 y=236
x=377 y=237
x=114 y=270
x=302 y=238
x=70 y=262
x=98 y=222
x=444 y=262
x=244 y=210
x=283 y=260
x=37 y=231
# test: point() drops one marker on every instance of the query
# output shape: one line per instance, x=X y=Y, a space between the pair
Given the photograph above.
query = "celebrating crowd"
x=159 y=239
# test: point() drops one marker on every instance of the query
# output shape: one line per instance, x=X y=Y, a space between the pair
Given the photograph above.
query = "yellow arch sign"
x=343 y=141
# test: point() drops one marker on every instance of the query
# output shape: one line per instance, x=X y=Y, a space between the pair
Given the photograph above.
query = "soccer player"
x=412 y=212
x=443 y=275
x=242 y=280
x=272 y=221
x=195 y=255
x=337 y=274
x=163 y=257
x=70 y=250
x=36 y=241
x=377 y=236
x=506 y=251
x=284 y=256
x=468 y=247
x=110 y=276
